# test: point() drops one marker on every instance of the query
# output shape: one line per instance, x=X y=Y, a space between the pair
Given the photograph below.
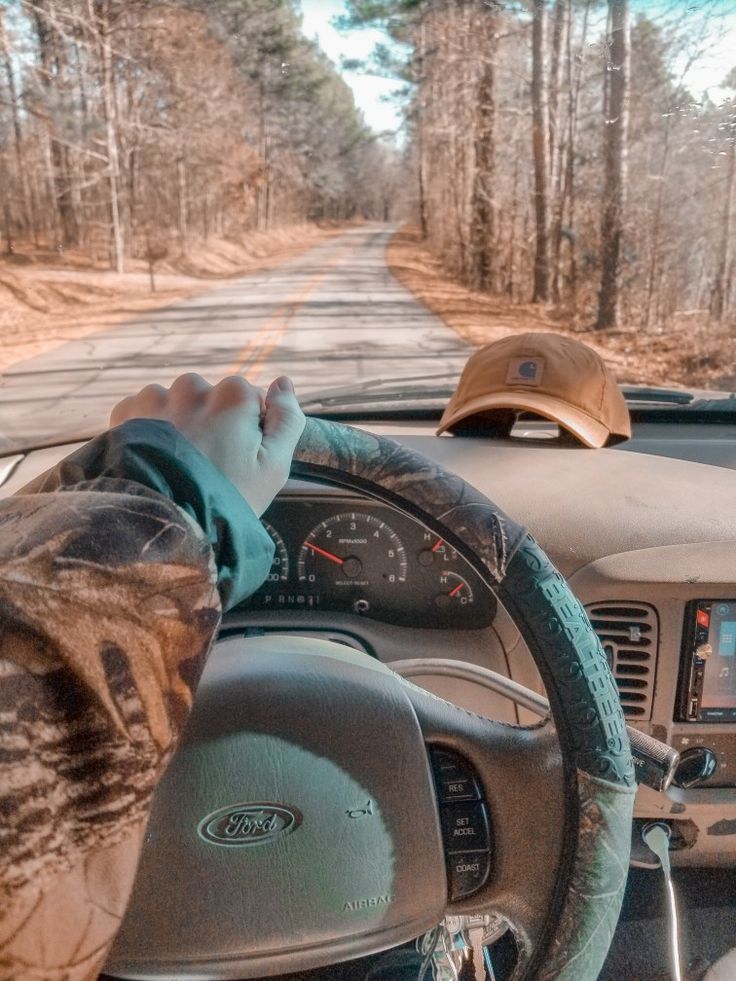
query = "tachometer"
x=352 y=550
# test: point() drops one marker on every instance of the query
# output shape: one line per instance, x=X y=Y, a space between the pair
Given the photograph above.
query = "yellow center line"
x=259 y=348
x=246 y=351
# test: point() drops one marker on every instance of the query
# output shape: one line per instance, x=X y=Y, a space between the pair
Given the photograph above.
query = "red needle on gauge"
x=457 y=589
x=327 y=555
x=438 y=544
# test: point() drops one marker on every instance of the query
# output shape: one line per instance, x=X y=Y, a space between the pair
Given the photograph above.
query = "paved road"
x=332 y=316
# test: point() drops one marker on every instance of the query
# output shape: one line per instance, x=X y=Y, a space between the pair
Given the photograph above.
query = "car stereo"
x=708 y=668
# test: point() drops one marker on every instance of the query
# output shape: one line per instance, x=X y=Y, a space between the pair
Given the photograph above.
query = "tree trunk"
x=5 y=204
x=480 y=266
x=562 y=28
x=20 y=156
x=422 y=84
x=654 y=256
x=723 y=270
x=263 y=187
x=102 y=23
x=540 y=145
x=51 y=65
x=182 y=212
x=513 y=218
x=568 y=192
x=615 y=153
x=422 y=193
x=560 y=23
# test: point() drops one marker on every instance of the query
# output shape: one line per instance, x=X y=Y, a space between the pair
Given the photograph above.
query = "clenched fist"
x=248 y=434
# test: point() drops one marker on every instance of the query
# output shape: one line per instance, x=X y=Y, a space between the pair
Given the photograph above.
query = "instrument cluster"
x=364 y=558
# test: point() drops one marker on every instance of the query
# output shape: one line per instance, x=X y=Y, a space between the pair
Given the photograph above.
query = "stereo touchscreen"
x=708 y=693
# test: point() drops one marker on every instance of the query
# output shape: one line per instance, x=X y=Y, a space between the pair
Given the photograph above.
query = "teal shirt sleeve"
x=154 y=454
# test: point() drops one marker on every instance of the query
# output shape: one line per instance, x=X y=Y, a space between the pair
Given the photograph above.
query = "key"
x=476 y=935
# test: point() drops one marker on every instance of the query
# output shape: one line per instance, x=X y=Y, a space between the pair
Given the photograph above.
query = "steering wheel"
x=315 y=811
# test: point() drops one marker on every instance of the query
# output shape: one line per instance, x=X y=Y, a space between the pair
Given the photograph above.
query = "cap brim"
x=590 y=431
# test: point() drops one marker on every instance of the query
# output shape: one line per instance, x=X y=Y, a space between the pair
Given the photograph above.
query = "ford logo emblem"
x=249 y=824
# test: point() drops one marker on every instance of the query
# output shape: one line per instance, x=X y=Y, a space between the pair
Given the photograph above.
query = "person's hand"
x=248 y=434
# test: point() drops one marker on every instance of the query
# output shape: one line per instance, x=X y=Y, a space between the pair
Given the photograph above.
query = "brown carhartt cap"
x=553 y=376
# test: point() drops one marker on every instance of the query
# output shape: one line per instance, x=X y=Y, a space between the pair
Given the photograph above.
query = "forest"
x=552 y=151
x=128 y=129
x=559 y=154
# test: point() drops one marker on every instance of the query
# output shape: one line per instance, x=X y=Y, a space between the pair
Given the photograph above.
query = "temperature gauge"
x=454 y=590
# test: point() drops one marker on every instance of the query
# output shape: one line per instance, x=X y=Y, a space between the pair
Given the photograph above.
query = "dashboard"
x=359 y=557
x=645 y=534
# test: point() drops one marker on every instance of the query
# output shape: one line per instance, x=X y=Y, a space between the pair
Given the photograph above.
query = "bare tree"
x=100 y=22
x=540 y=145
x=480 y=262
x=20 y=155
x=50 y=71
x=557 y=135
x=5 y=204
x=724 y=261
x=616 y=118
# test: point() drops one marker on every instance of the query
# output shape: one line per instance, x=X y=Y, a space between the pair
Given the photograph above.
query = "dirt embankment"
x=48 y=298
x=689 y=352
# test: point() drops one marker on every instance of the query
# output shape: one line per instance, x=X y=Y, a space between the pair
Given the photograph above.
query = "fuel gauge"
x=454 y=591
x=439 y=552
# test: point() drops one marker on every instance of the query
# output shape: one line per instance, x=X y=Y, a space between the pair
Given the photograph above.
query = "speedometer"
x=353 y=551
x=280 y=566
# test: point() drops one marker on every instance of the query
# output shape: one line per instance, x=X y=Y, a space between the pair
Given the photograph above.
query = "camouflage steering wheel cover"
x=599 y=773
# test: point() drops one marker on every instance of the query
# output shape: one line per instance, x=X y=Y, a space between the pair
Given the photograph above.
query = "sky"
x=370 y=92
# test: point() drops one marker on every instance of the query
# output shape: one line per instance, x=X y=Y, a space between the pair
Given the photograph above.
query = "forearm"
x=109 y=601
x=153 y=455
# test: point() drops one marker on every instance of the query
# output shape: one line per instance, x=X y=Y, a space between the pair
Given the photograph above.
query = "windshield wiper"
x=414 y=389
x=667 y=396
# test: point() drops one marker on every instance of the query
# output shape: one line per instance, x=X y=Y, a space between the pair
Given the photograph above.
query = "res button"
x=456 y=784
x=454 y=778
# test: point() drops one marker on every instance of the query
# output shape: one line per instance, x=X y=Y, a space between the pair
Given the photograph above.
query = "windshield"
x=357 y=194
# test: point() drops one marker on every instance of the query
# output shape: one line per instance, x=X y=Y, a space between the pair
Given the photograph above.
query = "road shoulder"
x=45 y=302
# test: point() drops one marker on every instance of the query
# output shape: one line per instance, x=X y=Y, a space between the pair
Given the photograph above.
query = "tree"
x=480 y=263
x=194 y=117
x=20 y=156
x=724 y=272
x=50 y=73
x=616 y=116
x=540 y=145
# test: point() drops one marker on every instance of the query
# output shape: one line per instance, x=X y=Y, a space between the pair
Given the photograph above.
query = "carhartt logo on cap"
x=525 y=371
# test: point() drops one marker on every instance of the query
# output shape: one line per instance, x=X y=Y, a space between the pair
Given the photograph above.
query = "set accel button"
x=465 y=828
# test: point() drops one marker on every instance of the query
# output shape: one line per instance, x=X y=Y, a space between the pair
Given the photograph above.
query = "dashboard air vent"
x=629 y=634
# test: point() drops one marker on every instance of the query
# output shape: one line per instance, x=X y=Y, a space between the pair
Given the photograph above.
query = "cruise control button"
x=454 y=778
x=453 y=787
x=465 y=828
x=466 y=873
x=456 y=783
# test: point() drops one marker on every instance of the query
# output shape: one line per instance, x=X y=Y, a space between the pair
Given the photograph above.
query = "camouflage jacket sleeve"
x=114 y=568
